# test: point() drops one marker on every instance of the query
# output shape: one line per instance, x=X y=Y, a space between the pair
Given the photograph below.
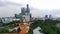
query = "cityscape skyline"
x=29 y=17
x=12 y=8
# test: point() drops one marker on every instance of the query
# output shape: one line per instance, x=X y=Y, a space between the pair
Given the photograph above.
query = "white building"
x=9 y=19
x=26 y=18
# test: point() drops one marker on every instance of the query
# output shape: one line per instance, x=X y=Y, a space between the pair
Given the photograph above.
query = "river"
x=36 y=31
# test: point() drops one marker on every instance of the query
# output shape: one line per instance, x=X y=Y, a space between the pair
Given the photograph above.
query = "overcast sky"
x=40 y=7
x=40 y=4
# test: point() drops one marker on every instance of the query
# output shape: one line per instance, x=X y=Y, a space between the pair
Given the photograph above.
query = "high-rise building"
x=27 y=9
x=46 y=17
x=26 y=16
x=50 y=16
x=23 y=11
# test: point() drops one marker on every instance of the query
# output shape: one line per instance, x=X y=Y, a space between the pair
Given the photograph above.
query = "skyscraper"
x=50 y=16
x=26 y=16
x=27 y=9
x=46 y=17
x=23 y=11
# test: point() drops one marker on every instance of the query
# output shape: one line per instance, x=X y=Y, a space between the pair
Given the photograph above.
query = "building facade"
x=26 y=16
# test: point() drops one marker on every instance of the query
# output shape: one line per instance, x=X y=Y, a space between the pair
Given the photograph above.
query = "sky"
x=40 y=4
x=40 y=7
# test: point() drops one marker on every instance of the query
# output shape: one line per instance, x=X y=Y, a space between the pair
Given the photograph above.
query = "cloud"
x=2 y=3
x=57 y=15
x=11 y=8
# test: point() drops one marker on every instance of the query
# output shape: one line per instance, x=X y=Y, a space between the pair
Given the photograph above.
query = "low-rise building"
x=9 y=19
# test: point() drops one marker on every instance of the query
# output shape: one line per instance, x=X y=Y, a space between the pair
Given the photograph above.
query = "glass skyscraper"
x=27 y=9
x=25 y=14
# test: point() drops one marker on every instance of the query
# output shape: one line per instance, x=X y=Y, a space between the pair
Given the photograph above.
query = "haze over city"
x=37 y=7
x=29 y=16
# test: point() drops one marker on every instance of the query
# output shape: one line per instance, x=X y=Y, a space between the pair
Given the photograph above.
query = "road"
x=24 y=28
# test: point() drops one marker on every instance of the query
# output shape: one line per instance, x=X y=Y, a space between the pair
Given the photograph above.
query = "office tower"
x=50 y=16
x=46 y=17
x=27 y=9
x=25 y=14
x=23 y=11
